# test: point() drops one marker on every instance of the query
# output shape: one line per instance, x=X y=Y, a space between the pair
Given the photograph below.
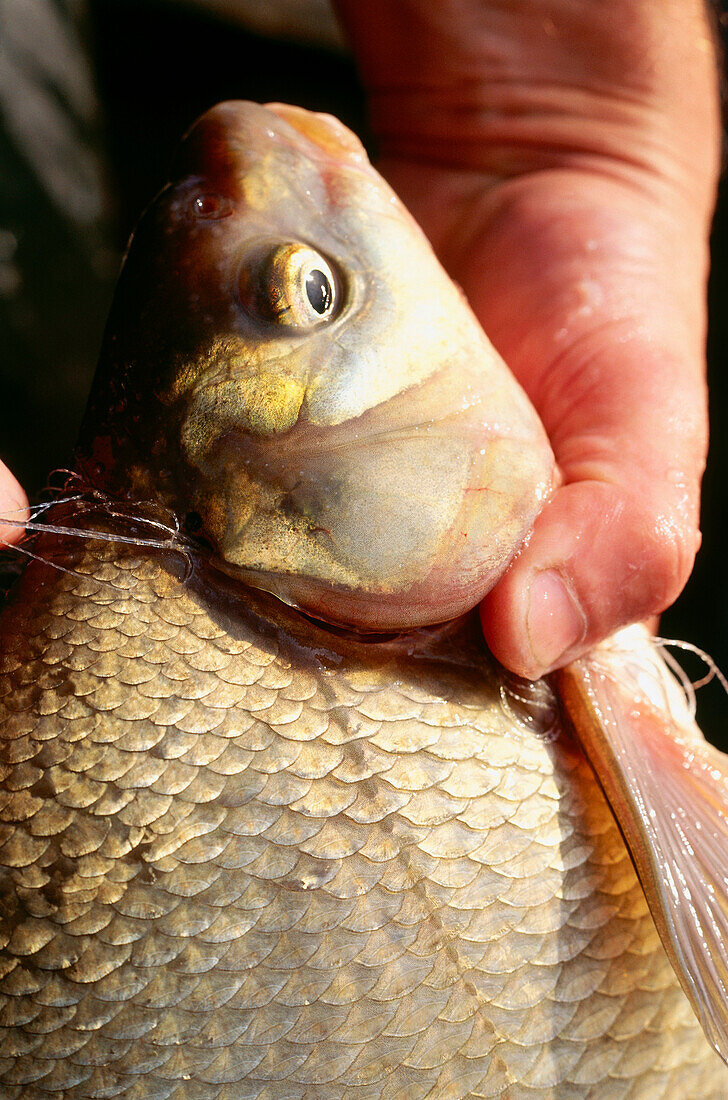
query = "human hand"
x=562 y=158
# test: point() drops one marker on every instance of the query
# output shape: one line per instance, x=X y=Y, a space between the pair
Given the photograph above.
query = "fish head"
x=288 y=366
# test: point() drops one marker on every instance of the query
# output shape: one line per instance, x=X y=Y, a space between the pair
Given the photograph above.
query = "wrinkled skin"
x=563 y=159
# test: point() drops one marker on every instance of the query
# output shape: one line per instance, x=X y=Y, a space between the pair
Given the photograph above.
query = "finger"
x=617 y=542
x=13 y=506
x=558 y=601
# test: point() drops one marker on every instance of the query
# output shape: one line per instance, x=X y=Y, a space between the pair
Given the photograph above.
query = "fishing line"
x=101 y=504
x=714 y=672
x=537 y=712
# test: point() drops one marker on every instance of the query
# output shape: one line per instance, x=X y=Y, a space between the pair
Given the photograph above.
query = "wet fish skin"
x=248 y=858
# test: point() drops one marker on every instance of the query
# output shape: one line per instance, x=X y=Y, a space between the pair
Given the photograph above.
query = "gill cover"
x=287 y=365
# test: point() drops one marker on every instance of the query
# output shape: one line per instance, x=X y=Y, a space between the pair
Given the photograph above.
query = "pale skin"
x=562 y=155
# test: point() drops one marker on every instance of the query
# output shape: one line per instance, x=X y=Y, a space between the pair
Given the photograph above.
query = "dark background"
x=157 y=66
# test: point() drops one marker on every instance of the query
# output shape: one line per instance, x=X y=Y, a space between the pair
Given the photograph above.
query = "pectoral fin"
x=668 y=789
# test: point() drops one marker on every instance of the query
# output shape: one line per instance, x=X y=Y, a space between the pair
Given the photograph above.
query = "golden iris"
x=297 y=287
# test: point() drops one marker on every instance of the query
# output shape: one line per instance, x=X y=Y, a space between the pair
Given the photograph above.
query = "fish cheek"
x=370 y=506
x=311 y=507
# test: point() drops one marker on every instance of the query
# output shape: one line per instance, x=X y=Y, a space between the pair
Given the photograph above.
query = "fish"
x=274 y=823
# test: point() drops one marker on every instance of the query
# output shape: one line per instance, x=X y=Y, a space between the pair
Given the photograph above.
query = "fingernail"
x=555 y=621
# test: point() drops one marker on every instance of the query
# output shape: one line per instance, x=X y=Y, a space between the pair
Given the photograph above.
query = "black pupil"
x=319 y=291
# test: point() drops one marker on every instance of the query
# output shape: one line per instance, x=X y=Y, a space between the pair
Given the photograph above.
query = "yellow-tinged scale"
x=247 y=855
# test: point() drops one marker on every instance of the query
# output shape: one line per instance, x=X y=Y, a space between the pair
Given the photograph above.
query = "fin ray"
x=668 y=789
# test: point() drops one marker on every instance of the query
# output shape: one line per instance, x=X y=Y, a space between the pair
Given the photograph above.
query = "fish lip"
x=348 y=633
x=242 y=582
x=423 y=641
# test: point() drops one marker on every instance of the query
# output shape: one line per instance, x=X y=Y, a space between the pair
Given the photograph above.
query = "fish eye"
x=296 y=287
x=211 y=206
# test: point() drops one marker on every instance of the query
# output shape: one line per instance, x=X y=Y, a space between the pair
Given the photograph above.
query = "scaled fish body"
x=250 y=855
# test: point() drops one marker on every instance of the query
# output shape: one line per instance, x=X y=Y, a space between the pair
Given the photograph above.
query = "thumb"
x=617 y=541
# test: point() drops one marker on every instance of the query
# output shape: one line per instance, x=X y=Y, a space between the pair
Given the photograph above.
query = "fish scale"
x=241 y=867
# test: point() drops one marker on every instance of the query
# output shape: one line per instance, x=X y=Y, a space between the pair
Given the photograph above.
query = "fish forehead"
x=338 y=870
x=265 y=161
x=282 y=183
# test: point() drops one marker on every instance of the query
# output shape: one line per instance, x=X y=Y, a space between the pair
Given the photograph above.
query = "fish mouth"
x=415 y=641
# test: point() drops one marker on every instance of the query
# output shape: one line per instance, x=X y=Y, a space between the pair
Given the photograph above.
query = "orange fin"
x=668 y=789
